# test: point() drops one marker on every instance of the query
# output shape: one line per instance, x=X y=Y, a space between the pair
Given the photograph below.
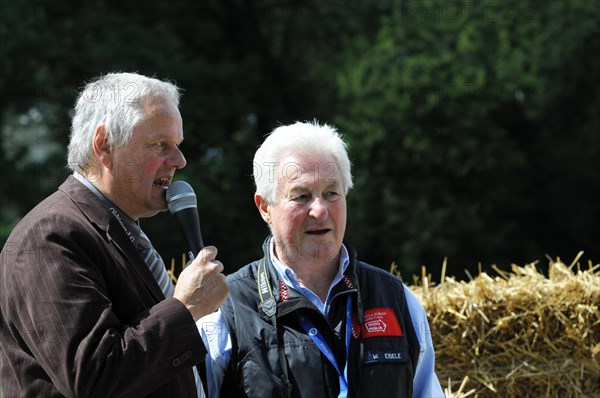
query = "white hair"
x=301 y=137
x=117 y=101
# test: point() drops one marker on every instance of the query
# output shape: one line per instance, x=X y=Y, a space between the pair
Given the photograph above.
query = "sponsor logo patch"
x=378 y=322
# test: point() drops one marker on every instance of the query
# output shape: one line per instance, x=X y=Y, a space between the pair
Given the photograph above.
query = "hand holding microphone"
x=201 y=286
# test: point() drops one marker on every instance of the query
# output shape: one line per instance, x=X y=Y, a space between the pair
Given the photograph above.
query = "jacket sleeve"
x=425 y=383
x=60 y=312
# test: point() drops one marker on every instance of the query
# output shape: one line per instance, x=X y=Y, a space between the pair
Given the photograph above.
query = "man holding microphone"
x=86 y=305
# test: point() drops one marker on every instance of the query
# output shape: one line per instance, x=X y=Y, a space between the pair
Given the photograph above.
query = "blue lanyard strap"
x=320 y=342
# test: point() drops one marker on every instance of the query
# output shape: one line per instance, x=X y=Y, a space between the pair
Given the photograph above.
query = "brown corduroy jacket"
x=81 y=313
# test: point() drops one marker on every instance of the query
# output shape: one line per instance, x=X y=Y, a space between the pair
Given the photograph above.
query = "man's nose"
x=318 y=208
x=177 y=160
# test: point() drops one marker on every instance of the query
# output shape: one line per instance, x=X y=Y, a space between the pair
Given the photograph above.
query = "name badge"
x=385 y=356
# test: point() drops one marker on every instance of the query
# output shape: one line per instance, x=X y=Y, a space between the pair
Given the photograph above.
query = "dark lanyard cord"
x=269 y=306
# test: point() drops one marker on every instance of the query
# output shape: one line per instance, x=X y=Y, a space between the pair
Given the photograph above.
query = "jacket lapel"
x=94 y=210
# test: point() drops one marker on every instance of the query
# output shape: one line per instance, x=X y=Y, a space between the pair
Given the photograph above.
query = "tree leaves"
x=472 y=125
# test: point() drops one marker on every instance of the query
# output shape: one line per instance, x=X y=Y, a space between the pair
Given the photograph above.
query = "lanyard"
x=132 y=230
x=318 y=339
x=269 y=306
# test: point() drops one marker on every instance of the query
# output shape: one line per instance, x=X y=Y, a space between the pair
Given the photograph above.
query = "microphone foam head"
x=180 y=195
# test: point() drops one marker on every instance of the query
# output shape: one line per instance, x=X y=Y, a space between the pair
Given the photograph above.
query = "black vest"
x=383 y=352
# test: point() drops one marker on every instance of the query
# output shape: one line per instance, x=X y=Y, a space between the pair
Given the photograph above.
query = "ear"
x=101 y=147
x=263 y=208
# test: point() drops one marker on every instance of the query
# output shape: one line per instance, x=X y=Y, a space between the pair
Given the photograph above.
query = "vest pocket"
x=261 y=371
x=385 y=350
x=385 y=369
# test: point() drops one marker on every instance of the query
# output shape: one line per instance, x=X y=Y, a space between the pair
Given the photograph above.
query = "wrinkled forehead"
x=155 y=105
x=308 y=169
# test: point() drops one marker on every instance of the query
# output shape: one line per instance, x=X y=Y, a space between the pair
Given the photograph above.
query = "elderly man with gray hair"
x=309 y=319
x=87 y=308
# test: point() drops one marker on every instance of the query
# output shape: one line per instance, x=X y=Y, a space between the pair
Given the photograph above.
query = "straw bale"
x=518 y=334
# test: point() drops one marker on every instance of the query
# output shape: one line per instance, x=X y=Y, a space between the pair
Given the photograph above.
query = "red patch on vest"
x=378 y=322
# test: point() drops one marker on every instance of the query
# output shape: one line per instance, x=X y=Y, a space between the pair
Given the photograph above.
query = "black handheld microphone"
x=181 y=201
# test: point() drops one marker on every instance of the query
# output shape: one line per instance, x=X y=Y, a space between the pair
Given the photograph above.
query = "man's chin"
x=324 y=252
x=155 y=209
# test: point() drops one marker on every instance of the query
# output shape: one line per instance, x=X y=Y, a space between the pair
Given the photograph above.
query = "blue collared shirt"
x=290 y=278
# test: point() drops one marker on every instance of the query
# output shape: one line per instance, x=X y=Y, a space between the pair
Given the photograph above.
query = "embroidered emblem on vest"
x=378 y=322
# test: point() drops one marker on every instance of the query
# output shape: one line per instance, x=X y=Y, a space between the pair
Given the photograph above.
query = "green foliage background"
x=473 y=125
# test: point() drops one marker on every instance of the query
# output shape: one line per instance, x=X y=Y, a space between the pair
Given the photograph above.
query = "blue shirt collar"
x=287 y=275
